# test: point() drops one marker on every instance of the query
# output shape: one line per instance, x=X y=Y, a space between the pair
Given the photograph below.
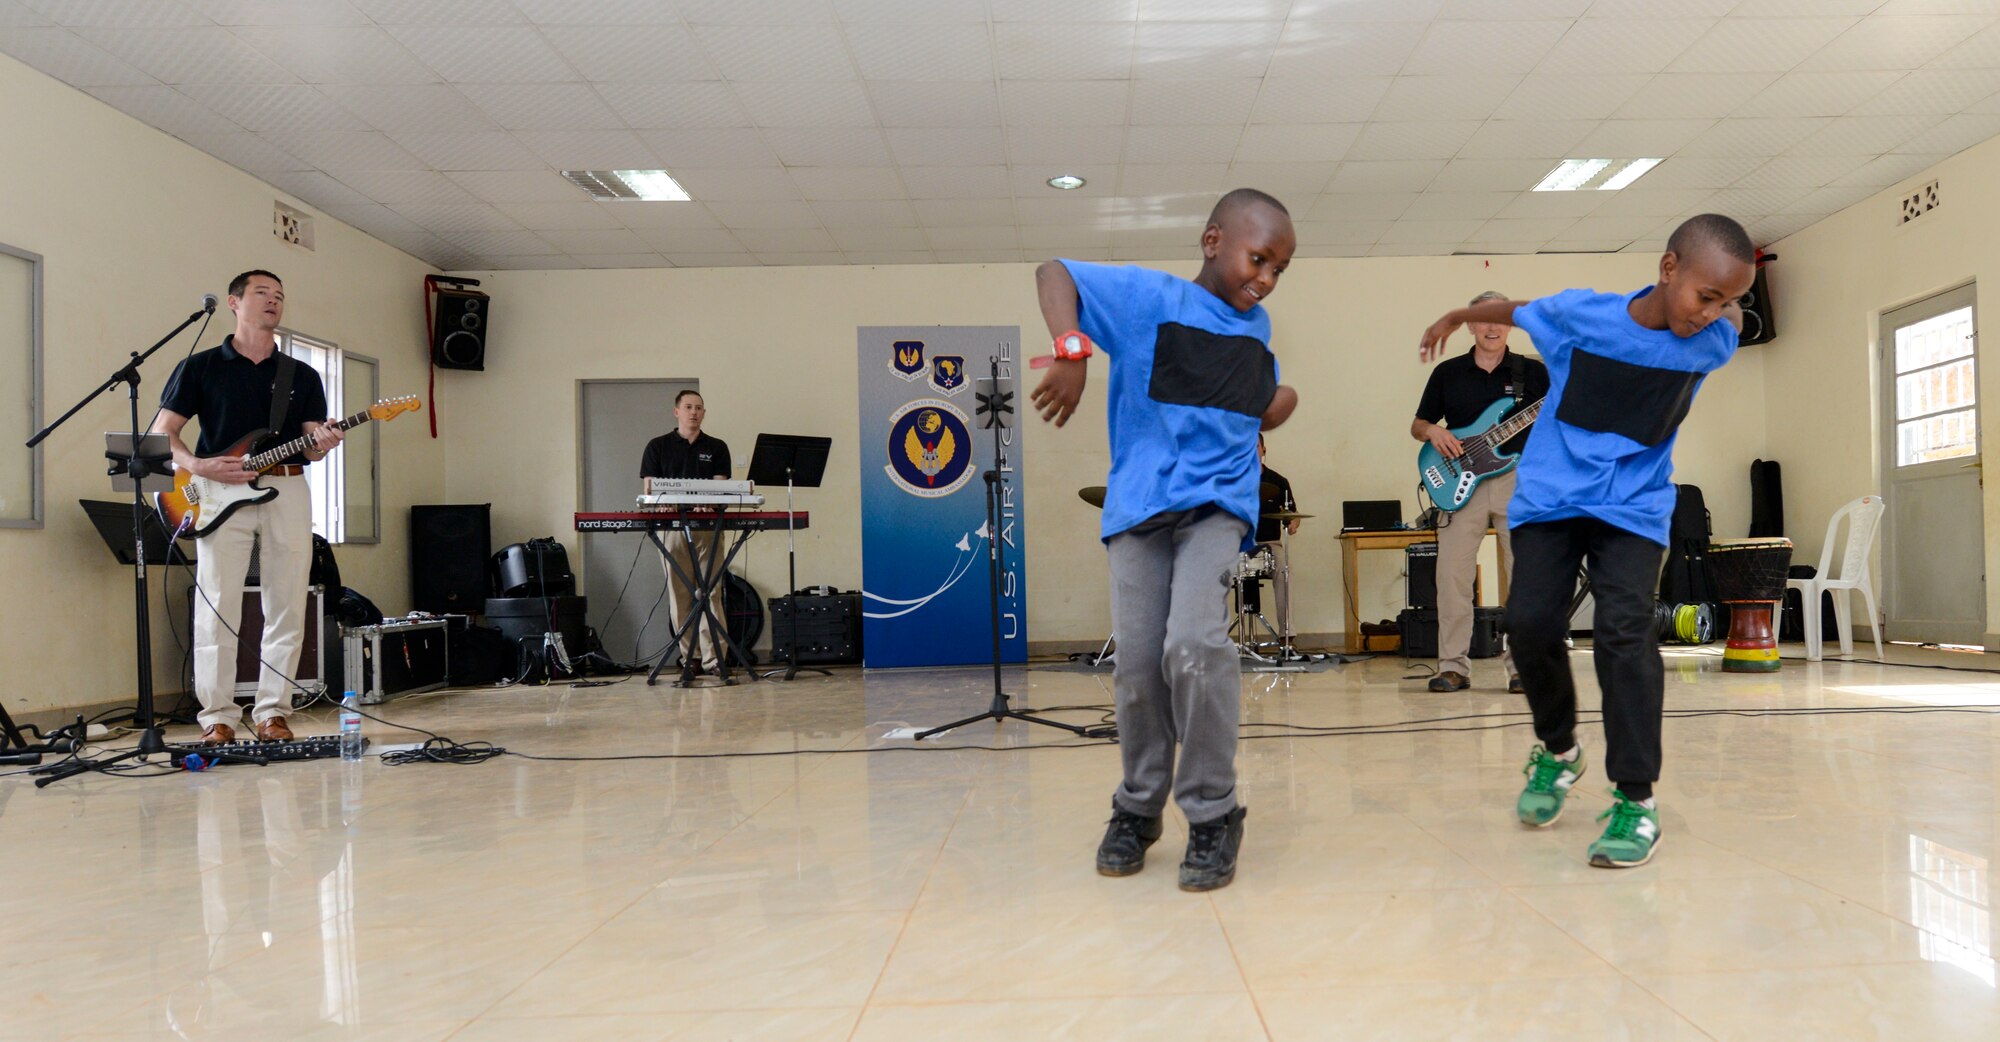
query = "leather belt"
x=287 y=470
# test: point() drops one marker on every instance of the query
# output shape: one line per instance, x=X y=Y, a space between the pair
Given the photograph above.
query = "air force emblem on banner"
x=906 y=359
x=948 y=373
x=930 y=448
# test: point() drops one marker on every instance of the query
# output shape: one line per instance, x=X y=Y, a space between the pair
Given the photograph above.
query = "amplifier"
x=1420 y=575
x=829 y=629
x=399 y=657
x=1419 y=628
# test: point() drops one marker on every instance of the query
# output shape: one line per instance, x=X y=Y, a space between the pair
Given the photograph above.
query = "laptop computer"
x=1371 y=515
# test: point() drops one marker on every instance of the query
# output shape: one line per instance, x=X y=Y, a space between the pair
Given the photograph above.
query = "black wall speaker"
x=449 y=547
x=1760 y=319
x=458 y=333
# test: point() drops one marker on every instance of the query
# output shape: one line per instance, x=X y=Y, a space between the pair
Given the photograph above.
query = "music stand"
x=795 y=459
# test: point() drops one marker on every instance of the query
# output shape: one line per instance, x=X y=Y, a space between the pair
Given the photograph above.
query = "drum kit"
x=1249 y=571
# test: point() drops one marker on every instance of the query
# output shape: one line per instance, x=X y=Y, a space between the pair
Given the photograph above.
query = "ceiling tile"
x=416 y=108
x=691 y=240
x=179 y=55
x=1444 y=97
x=274 y=12
x=613 y=12
x=473 y=150
x=800 y=260
x=439 y=12
x=931 y=12
x=956 y=182
x=646 y=216
x=543 y=106
x=1298 y=143
x=865 y=213
x=1884 y=171
x=1553 y=205
x=1832 y=199
x=777 y=52
x=630 y=53
x=738 y=12
x=889 y=257
x=1057 y=238
x=738 y=185
x=997 y=238
x=1515 y=139
x=596 y=240
x=1928 y=91
x=589 y=149
x=1893 y=42
x=1308 y=48
x=833 y=104
x=401 y=187
x=516 y=186
x=1694 y=95
x=1203 y=50
x=1502 y=10
x=500 y=244
x=1413 y=140
x=1800 y=171
x=964 y=213
x=942 y=103
x=274 y=107
x=315 y=188
x=1862 y=135
x=828 y=146
x=1211 y=10
x=337 y=151
x=1182 y=144
x=1631 y=138
x=1800 y=94
x=1067 y=103
x=1759 y=44
x=1066 y=146
x=1372 y=206
x=445 y=219
x=1287 y=181
x=1954 y=134
x=931 y=146
x=1752 y=137
x=1490 y=175
x=165 y=108
x=1431 y=231
x=615 y=261
x=1345 y=99
x=487 y=55
x=128 y=14
x=710 y=147
x=851 y=239
x=1747 y=203
x=1341 y=233
x=845 y=182
x=1068 y=52
x=1623 y=45
x=1565 y=97
x=1163 y=102
x=1396 y=175
x=1603 y=228
x=1063 y=10
x=338 y=54
x=1435 y=205
x=1507 y=229
x=1172 y=178
x=705 y=103
x=712 y=260
x=247 y=151
x=1451 y=48
x=1979 y=51
x=375 y=219
x=921 y=52
x=60 y=53
x=1650 y=202
x=1700 y=171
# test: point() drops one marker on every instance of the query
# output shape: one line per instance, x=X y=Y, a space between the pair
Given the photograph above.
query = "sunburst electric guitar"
x=198 y=505
x=1451 y=482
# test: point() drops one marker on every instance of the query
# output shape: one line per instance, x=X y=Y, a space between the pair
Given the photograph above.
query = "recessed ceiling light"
x=1608 y=175
x=1066 y=182
x=615 y=185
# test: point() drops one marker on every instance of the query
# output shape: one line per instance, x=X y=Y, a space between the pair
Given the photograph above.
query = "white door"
x=1934 y=554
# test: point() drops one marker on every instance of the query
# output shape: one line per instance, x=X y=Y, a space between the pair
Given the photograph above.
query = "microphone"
x=209 y=301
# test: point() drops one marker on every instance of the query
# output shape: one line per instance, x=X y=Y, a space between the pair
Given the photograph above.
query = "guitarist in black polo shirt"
x=1459 y=391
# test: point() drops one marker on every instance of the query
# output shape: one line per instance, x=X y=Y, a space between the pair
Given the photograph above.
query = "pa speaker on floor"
x=449 y=546
x=458 y=333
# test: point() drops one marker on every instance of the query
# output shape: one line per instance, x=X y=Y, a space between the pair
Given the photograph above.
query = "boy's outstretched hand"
x=1432 y=344
x=1281 y=407
x=1061 y=388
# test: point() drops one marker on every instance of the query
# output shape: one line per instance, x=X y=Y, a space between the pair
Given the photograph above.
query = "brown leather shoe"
x=1450 y=680
x=218 y=734
x=1514 y=685
x=274 y=730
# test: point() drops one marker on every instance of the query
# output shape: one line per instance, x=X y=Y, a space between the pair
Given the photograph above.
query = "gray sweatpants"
x=1176 y=678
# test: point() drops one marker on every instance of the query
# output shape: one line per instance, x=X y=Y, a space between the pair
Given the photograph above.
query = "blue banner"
x=925 y=572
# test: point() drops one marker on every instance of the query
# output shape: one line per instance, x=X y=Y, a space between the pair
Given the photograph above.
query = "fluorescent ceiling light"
x=1066 y=182
x=1608 y=175
x=614 y=185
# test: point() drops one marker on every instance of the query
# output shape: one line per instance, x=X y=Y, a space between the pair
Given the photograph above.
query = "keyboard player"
x=688 y=452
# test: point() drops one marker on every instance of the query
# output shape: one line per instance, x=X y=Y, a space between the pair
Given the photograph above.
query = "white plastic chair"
x=1864 y=517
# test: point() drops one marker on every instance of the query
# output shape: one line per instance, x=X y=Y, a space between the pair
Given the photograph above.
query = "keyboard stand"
x=703 y=582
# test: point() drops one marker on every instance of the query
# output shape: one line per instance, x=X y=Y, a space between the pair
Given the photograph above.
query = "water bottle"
x=350 y=728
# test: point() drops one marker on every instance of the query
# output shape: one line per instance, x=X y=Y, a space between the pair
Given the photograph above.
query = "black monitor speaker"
x=449 y=548
x=1760 y=319
x=463 y=318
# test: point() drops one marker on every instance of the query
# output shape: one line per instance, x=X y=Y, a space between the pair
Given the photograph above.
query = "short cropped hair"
x=1238 y=198
x=1712 y=231
x=242 y=282
x=684 y=393
x=1491 y=294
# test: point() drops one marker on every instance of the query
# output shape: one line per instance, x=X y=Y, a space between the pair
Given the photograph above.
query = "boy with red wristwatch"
x=1192 y=382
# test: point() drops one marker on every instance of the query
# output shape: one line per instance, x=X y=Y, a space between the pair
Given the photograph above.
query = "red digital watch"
x=1072 y=346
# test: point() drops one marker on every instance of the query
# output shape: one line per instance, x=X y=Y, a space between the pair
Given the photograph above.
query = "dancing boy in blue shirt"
x=1595 y=486
x=1192 y=382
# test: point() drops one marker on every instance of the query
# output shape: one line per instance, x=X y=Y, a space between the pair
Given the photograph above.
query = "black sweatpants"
x=1624 y=573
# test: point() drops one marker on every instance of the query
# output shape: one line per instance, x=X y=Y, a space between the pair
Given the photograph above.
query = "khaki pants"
x=282 y=528
x=682 y=602
x=1458 y=565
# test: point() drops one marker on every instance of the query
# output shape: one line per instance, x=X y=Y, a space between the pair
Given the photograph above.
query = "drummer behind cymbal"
x=1274 y=496
x=1594 y=484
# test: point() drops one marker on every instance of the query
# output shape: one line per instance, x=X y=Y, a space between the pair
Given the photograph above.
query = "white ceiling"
x=922 y=131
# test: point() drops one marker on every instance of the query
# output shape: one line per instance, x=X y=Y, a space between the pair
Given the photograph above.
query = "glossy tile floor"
x=1821 y=876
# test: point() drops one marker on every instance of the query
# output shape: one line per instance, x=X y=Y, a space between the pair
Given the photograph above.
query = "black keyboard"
x=312 y=747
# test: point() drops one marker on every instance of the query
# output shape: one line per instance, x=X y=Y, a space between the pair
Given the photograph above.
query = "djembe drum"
x=1750 y=576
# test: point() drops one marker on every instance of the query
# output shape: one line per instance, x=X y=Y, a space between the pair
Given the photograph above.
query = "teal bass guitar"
x=1450 y=482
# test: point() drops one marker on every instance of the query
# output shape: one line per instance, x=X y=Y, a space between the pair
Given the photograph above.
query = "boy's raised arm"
x=1431 y=347
x=1055 y=397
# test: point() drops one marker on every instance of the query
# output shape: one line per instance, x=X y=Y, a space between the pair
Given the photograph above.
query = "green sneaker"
x=1549 y=780
x=1632 y=836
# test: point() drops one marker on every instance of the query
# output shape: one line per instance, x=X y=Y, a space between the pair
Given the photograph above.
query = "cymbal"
x=1092 y=494
x=1287 y=515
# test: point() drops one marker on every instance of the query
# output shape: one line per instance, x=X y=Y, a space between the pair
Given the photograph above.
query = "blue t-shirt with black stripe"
x=1604 y=445
x=1190 y=380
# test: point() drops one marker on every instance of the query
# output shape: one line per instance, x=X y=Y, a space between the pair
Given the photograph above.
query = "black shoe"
x=1514 y=685
x=1211 y=852
x=1450 y=680
x=1126 y=838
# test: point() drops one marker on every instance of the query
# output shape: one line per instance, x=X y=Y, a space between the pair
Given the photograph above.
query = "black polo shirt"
x=231 y=396
x=1280 y=498
x=1459 y=390
x=672 y=456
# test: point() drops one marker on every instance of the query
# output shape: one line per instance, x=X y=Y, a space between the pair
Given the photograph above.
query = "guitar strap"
x=1517 y=370
x=281 y=392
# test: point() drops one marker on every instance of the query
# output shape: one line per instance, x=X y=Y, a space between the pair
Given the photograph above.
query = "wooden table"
x=1351 y=545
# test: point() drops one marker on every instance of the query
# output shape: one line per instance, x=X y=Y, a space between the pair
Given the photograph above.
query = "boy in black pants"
x=1595 y=486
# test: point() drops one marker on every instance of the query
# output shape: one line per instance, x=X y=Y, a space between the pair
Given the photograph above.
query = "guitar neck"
x=1500 y=433
x=273 y=456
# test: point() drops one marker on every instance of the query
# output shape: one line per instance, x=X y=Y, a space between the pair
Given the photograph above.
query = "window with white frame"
x=326 y=478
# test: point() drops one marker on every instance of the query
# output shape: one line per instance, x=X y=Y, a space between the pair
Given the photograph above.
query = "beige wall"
x=1831 y=284
x=774 y=349
x=133 y=227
